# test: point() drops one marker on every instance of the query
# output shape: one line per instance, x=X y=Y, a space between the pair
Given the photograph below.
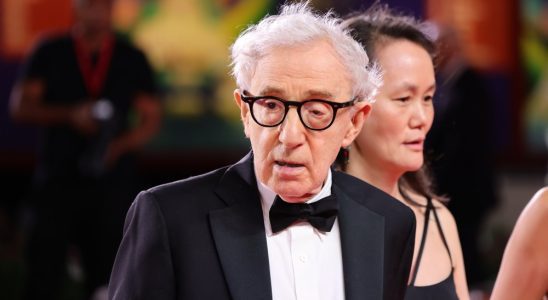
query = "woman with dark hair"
x=388 y=153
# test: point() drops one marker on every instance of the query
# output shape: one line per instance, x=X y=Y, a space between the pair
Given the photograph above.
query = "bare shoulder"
x=524 y=271
x=446 y=217
x=449 y=226
x=447 y=220
x=529 y=237
x=540 y=201
x=532 y=219
x=536 y=211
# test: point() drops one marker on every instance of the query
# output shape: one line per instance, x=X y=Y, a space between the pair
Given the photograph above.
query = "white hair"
x=297 y=24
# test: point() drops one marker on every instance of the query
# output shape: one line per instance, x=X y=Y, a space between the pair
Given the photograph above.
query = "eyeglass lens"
x=314 y=114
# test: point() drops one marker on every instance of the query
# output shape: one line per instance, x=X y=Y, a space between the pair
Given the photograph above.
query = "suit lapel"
x=362 y=242
x=238 y=231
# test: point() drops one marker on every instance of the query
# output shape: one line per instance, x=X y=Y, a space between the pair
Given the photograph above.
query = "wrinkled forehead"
x=307 y=70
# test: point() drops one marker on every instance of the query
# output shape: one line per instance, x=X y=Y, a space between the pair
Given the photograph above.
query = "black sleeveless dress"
x=443 y=290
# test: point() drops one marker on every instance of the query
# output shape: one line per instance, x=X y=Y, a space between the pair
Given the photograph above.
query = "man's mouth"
x=288 y=164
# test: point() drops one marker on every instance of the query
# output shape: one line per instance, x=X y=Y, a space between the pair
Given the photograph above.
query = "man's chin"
x=294 y=194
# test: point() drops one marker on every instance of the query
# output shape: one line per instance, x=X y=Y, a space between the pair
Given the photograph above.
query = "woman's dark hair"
x=379 y=24
x=373 y=28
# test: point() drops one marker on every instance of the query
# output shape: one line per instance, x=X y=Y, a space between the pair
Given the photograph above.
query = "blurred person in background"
x=460 y=149
x=388 y=152
x=92 y=95
x=523 y=273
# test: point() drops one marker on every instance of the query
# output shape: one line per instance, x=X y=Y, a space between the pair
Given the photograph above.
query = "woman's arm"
x=524 y=270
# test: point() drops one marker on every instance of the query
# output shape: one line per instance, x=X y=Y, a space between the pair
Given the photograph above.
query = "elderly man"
x=279 y=224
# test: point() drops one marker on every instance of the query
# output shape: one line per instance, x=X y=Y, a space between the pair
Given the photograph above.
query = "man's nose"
x=291 y=130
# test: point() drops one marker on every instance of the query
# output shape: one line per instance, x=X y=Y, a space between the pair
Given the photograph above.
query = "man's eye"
x=317 y=113
x=271 y=105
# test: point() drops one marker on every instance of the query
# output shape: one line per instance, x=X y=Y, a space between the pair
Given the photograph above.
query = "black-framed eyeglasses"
x=315 y=114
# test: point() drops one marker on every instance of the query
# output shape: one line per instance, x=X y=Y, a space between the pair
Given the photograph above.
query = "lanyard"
x=94 y=76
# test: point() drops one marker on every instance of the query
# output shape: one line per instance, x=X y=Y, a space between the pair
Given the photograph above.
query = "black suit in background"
x=204 y=238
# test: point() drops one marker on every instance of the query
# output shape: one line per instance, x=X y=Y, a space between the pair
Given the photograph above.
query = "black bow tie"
x=320 y=214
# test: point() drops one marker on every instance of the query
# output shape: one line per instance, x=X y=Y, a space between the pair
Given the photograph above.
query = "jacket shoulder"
x=192 y=184
x=372 y=197
x=186 y=194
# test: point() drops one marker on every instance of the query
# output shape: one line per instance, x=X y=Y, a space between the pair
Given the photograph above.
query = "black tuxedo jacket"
x=204 y=238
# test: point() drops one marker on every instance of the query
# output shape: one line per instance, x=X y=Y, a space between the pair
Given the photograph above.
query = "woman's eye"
x=403 y=99
x=428 y=98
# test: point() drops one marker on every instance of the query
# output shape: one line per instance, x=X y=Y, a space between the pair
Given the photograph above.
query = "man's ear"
x=356 y=123
x=244 y=110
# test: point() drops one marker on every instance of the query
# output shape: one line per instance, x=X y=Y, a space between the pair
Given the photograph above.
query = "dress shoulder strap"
x=440 y=229
x=423 y=241
x=429 y=208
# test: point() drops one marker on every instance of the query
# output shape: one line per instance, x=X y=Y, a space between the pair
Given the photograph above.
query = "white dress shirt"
x=305 y=263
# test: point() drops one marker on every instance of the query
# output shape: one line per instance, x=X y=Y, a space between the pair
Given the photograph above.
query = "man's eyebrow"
x=271 y=91
x=321 y=94
x=310 y=94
